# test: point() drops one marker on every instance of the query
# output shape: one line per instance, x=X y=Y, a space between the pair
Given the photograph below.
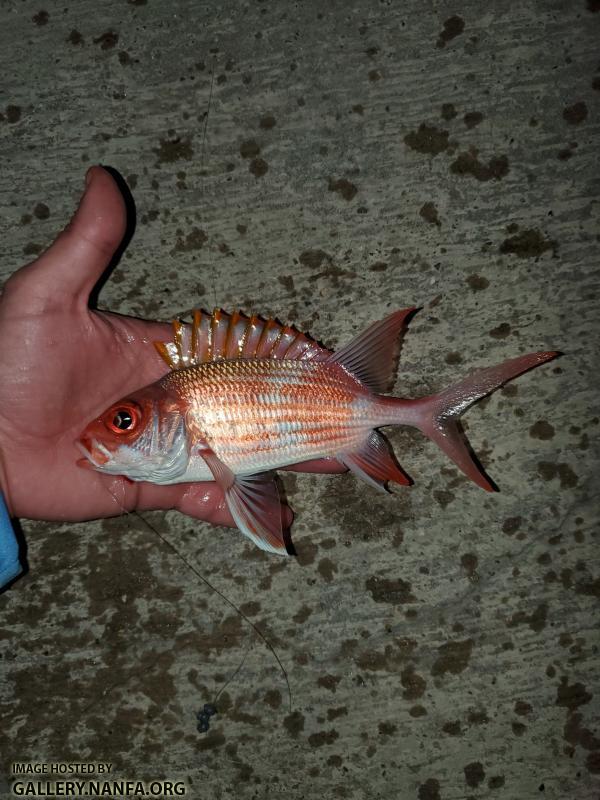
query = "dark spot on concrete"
x=334 y=713
x=374 y=75
x=511 y=525
x=417 y=711
x=453 y=358
x=124 y=58
x=387 y=728
x=302 y=615
x=267 y=122
x=258 y=167
x=327 y=569
x=571 y=696
x=334 y=761
x=592 y=763
x=249 y=149
x=323 y=738
x=395 y=592
x=496 y=782
x=273 y=698
x=41 y=211
x=565 y=154
x=287 y=282
x=343 y=187
x=251 y=608
x=472 y=119
x=522 y=708
x=194 y=240
x=596 y=84
x=306 y=552
x=41 y=18
x=576 y=113
x=13 y=114
x=469 y=563
x=378 y=266
x=429 y=213
x=541 y=430
x=452 y=728
x=469 y=164
x=329 y=682
x=430 y=790
x=26 y=219
x=528 y=244
x=176 y=149
x=474 y=774
x=536 y=620
x=518 y=728
x=75 y=37
x=294 y=724
x=443 y=498
x=477 y=283
x=575 y=734
x=414 y=684
x=211 y=741
x=107 y=40
x=453 y=27
x=314 y=258
x=32 y=249
x=428 y=140
x=478 y=717
x=453 y=658
x=567 y=476
x=358 y=109
x=590 y=588
x=448 y=111
x=501 y=332
x=242 y=229
x=137 y=2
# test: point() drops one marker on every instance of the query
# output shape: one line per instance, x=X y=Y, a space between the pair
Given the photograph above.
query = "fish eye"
x=123 y=419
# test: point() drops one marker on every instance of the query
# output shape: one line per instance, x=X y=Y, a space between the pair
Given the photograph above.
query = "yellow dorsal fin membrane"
x=216 y=336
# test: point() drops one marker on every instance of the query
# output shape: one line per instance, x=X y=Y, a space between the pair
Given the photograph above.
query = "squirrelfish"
x=246 y=396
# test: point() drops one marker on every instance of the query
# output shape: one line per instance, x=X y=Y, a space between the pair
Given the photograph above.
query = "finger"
x=322 y=465
x=72 y=265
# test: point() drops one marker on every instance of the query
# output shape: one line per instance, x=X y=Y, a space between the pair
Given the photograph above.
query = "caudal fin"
x=438 y=416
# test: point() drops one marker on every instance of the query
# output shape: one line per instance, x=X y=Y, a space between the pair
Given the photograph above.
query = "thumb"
x=72 y=265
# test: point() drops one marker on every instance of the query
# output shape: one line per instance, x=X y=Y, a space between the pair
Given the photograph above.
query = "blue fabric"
x=10 y=566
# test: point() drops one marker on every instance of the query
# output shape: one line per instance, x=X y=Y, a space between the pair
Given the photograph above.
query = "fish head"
x=142 y=436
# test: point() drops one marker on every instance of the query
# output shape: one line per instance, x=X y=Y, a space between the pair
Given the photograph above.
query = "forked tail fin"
x=438 y=416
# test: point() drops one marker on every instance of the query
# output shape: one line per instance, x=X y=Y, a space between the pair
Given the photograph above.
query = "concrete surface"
x=440 y=643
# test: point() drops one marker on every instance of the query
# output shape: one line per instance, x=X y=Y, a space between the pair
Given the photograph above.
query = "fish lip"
x=96 y=456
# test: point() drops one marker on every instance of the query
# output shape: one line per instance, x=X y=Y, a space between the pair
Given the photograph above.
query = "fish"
x=246 y=396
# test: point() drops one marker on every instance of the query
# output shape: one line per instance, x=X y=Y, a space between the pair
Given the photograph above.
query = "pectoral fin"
x=254 y=503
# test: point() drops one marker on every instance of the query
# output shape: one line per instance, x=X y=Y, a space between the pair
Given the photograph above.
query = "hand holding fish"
x=61 y=363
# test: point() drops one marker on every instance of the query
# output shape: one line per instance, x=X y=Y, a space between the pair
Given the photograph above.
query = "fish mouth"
x=96 y=455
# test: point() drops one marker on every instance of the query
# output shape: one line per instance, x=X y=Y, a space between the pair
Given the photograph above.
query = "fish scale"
x=279 y=408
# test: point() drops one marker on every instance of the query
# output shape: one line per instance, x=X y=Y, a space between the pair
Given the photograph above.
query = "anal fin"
x=375 y=463
x=254 y=504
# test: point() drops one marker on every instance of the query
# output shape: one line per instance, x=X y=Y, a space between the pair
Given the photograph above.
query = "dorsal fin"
x=216 y=336
x=372 y=356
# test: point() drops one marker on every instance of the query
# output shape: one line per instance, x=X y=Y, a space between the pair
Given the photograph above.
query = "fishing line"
x=213 y=588
x=223 y=597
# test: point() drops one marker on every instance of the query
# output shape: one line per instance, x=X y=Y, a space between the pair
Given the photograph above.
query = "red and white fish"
x=247 y=396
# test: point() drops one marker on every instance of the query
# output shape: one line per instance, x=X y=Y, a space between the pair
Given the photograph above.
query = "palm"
x=62 y=364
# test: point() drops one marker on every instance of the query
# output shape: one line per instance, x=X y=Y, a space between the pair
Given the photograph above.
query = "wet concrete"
x=359 y=157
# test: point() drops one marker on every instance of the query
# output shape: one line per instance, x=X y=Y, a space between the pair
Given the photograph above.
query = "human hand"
x=63 y=363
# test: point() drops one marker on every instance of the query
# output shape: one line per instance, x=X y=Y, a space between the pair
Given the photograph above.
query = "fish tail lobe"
x=438 y=416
